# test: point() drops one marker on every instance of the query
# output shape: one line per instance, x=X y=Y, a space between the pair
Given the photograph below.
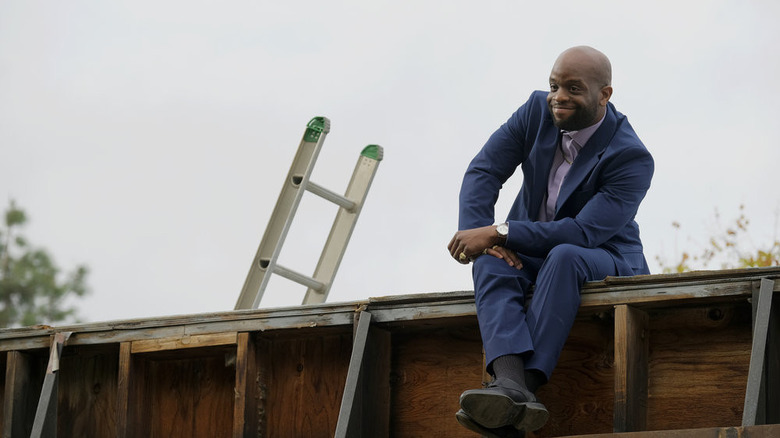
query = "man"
x=585 y=172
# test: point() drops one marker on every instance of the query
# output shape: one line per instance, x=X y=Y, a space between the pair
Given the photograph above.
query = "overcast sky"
x=149 y=140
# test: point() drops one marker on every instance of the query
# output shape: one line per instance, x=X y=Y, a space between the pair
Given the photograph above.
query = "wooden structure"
x=665 y=354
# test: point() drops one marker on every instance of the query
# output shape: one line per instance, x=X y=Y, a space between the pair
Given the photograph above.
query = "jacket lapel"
x=588 y=157
x=546 y=147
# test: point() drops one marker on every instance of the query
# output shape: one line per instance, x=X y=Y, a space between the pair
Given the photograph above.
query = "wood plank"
x=758 y=352
x=3 y=360
x=304 y=378
x=350 y=413
x=430 y=369
x=375 y=385
x=245 y=421
x=23 y=382
x=88 y=391
x=187 y=341
x=699 y=359
x=770 y=431
x=771 y=391
x=190 y=396
x=124 y=396
x=631 y=355
x=580 y=394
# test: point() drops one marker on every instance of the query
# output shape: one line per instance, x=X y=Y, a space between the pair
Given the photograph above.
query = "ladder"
x=265 y=261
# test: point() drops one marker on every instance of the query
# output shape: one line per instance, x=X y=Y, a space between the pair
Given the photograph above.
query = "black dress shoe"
x=504 y=403
x=501 y=432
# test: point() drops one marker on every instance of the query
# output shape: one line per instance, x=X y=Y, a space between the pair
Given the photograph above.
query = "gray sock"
x=510 y=366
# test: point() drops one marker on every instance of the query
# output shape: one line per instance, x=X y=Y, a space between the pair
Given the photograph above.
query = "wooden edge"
x=631 y=369
x=245 y=404
x=186 y=341
x=766 y=431
x=123 y=390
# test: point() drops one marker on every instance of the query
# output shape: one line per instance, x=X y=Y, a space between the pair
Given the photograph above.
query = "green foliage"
x=32 y=291
x=731 y=247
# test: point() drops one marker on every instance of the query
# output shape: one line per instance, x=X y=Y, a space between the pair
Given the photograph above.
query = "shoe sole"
x=471 y=425
x=496 y=410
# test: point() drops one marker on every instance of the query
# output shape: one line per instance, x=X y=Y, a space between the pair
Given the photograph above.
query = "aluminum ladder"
x=265 y=261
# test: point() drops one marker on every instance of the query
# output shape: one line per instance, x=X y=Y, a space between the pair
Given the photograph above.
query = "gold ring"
x=484 y=251
x=462 y=257
x=495 y=247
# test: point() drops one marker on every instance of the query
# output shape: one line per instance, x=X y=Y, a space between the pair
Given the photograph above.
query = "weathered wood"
x=45 y=423
x=304 y=378
x=758 y=352
x=188 y=394
x=631 y=358
x=350 y=413
x=771 y=431
x=375 y=385
x=245 y=421
x=3 y=360
x=699 y=360
x=124 y=395
x=187 y=341
x=771 y=392
x=88 y=391
x=580 y=395
x=431 y=368
x=23 y=381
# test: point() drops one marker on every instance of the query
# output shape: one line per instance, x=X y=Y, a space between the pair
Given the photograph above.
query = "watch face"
x=502 y=229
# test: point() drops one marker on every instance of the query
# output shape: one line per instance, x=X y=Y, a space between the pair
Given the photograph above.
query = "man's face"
x=575 y=101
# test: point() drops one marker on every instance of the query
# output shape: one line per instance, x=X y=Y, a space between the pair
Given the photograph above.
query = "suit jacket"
x=598 y=198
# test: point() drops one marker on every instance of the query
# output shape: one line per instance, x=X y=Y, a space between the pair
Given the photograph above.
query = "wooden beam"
x=772 y=366
x=187 y=341
x=758 y=352
x=631 y=356
x=245 y=421
x=365 y=405
x=45 y=424
x=124 y=378
x=22 y=389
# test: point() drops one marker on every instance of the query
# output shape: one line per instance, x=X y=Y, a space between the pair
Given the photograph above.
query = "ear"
x=606 y=93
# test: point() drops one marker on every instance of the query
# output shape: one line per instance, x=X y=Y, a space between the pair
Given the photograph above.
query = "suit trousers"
x=536 y=330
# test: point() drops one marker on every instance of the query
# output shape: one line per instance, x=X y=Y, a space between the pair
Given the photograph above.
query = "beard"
x=582 y=117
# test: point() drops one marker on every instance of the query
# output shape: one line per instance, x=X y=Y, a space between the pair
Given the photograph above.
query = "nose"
x=560 y=95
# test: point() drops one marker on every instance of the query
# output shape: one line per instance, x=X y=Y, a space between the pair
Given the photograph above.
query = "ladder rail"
x=283 y=214
x=344 y=224
x=350 y=204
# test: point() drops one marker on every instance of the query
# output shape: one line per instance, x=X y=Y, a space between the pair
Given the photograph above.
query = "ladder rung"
x=335 y=198
x=299 y=278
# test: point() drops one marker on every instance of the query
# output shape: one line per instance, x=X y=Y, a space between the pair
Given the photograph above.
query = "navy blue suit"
x=592 y=235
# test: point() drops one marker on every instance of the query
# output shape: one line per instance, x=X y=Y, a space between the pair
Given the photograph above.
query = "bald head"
x=589 y=62
x=580 y=88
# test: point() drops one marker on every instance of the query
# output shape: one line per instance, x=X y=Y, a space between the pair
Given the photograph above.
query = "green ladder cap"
x=315 y=127
x=375 y=152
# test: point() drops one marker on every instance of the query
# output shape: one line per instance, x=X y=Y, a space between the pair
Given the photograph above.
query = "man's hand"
x=469 y=244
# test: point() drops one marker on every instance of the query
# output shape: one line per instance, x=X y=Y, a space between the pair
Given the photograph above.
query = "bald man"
x=585 y=172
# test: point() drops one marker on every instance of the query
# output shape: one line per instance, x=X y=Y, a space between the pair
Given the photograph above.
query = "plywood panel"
x=24 y=378
x=185 y=394
x=87 y=391
x=580 y=393
x=699 y=359
x=303 y=382
x=430 y=369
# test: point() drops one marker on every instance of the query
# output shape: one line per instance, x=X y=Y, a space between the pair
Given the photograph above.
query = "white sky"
x=149 y=139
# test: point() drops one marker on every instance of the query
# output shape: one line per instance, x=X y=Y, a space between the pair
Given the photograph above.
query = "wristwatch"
x=502 y=230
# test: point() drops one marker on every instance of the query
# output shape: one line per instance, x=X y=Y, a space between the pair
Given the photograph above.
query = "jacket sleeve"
x=592 y=215
x=498 y=159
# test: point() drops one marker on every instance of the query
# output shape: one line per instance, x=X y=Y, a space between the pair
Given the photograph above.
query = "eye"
x=575 y=89
x=553 y=87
